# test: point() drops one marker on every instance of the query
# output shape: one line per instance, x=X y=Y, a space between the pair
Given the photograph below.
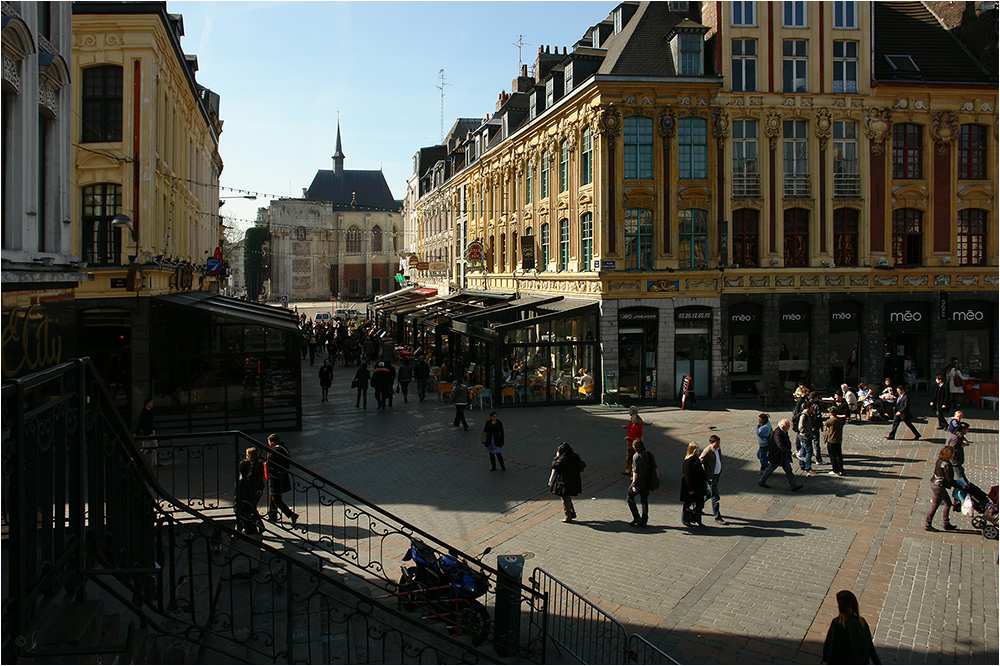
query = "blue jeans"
x=714 y=492
x=805 y=447
x=818 y=450
x=786 y=465
x=762 y=457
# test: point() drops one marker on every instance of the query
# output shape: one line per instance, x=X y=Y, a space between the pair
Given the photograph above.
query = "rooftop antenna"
x=520 y=43
x=441 y=88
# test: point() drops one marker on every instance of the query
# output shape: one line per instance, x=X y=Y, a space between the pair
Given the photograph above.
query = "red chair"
x=971 y=393
x=988 y=391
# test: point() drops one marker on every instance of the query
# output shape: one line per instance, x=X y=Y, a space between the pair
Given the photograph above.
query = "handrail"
x=334 y=523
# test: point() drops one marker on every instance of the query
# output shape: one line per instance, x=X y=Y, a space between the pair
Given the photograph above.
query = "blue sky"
x=284 y=69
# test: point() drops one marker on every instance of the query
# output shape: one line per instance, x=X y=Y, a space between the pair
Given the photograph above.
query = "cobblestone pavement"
x=758 y=590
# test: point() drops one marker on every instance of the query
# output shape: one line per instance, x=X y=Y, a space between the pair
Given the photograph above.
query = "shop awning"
x=404 y=295
x=233 y=308
x=565 y=307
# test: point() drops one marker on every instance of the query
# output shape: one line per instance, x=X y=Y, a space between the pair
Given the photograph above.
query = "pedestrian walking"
x=312 y=348
x=694 y=483
x=392 y=381
x=279 y=480
x=955 y=422
x=493 y=440
x=382 y=384
x=849 y=638
x=633 y=431
x=955 y=379
x=957 y=441
x=257 y=474
x=903 y=413
x=645 y=478
x=835 y=444
x=325 y=379
x=565 y=480
x=421 y=372
x=404 y=377
x=361 y=379
x=764 y=430
x=711 y=460
x=144 y=428
x=460 y=398
x=779 y=454
x=942 y=479
x=248 y=519
x=940 y=402
x=804 y=439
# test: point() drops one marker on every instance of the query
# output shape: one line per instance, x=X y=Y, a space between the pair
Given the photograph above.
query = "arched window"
x=796 y=237
x=102 y=243
x=845 y=237
x=693 y=232
x=101 y=111
x=586 y=241
x=746 y=238
x=376 y=238
x=545 y=246
x=638 y=148
x=353 y=238
x=563 y=244
x=638 y=239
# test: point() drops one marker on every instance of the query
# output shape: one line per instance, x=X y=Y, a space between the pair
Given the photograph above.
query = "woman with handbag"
x=693 y=485
x=493 y=441
x=564 y=480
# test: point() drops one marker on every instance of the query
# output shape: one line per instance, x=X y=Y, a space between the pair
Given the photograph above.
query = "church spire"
x=338 y=155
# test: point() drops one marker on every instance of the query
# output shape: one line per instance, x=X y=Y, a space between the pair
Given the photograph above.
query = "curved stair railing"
x=84 y=512
x=342 y=529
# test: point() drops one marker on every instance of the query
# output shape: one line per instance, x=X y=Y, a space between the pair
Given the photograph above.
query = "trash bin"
x=507 y=617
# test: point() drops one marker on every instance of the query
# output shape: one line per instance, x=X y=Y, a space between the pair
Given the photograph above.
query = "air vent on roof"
x=903 y=66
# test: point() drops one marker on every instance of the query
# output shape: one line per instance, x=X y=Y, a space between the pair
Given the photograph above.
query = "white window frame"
x=842 y=66
x=744 y=13
x=793 y=14
x=799 y=63
x=845 y=15
x=684 y=43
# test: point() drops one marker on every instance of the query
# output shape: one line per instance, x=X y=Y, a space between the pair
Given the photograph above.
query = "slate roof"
x=642 y=48
x=909 y=28
x=368 y=188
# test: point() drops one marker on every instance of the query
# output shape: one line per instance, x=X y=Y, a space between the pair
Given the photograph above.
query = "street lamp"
x=251 y=197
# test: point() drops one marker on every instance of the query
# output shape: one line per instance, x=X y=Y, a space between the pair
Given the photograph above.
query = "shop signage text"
x=637 y=316
x=688 y=315
x=527 y=252
x=968 y=315
x=905 y=315
x=474 y=253
x=743 y=318
x=31 y=341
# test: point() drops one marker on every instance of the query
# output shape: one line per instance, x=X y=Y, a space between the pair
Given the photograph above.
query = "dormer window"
x=678 y=6
x=617 y=18
x=568 y=78
x=687 y=43
x=595 y=38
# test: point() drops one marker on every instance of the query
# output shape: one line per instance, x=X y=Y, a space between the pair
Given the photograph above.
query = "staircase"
x=103 y=563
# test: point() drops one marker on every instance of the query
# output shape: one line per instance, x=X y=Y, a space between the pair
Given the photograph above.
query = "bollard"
x=507 y=617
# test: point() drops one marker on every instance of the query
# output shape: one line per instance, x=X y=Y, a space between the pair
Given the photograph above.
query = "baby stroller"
x=984 y=507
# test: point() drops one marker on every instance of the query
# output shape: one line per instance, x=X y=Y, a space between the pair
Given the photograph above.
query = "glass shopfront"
x=744 y=347
x=793 y=341
x=969 y=328
x=638 y=331
x=220 y=364
x=692 y=349
x=845 y=343
x=906 y=343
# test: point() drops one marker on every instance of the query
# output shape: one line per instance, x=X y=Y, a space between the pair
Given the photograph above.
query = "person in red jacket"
x=633 y=431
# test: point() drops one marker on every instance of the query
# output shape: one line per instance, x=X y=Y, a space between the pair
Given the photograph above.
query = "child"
x=248 y=520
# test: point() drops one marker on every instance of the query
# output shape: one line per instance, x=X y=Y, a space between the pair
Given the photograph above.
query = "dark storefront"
x=845 y=343
x=224 y=364
x=745 y=347
x=692 y=349
x=906 y=342
x=638 y=336
x=969 y=327
x=794 y=340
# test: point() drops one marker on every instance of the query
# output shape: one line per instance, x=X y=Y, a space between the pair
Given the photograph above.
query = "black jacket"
x=783 y=449
x=362 y=377
x=496 y=430
x=278 y=479
x=849 y=642
x=566 y=480
x=941 y=395
x=693 y=479
x=903 y=406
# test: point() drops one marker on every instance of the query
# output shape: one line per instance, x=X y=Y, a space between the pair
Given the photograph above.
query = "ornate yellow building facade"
x=756 y=193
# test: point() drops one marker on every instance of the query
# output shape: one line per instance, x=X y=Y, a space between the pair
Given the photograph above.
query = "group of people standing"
x=257 y=475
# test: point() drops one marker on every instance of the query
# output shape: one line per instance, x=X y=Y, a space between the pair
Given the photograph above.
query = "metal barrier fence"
x=86 y=513
x=582 y=631
x=339 y=526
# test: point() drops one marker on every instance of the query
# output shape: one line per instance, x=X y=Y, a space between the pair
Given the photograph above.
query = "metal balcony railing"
x=796 y=185
x=847 y=185
x=746 y=185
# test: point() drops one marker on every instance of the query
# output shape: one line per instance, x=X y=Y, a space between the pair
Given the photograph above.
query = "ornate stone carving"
x=666 y=123
x=942 y=280
x=966 y=106
x=756 y=101
x=849 y=203
x=788 y=281
x=987 y=107
x=702 y=284
x=757 y=203
x=823 y=127
x=859 y=281
x=878 y=121
x=720 y=123
x=810 y=281
x=886 y=281
x=609 y=121
x=838 y=102
x=834 y=281
x=915 y=280
x=944 y=129
x=760 y=282
x=623 y=286
x=991 y=280
x=967 y=280
x=733 y=282
x=772 y=127
x=799 y=203
x=737 y=102
x=10 y=73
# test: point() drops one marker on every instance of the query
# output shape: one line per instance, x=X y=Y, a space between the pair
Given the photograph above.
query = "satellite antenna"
x=441 y=88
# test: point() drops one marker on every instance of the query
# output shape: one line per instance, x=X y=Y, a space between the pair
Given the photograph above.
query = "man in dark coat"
x=382 y=384
x=279 y=480
x=711 y=460
x=421 y=372
x=903 y=414
x=940 y=402
x=779 y=454
x=565 y=481
x=144 y=428
x=644 y=477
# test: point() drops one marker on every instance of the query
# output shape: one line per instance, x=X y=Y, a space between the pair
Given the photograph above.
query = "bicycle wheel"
x=410 y=593
x=475 y=622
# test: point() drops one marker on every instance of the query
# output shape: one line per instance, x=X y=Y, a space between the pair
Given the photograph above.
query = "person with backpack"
x=645 y=477
x=779 y=454
x=764 y=431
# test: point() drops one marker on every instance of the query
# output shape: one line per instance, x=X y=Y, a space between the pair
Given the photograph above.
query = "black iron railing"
x=336 y=525
x=84 y=512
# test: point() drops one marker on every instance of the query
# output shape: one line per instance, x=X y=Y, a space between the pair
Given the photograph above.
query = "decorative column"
x=878 y=122
x=944 y=129
x=823 y=128
x=772 y=129
x=667 y=126
x=720 y=130
x=609 y=126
